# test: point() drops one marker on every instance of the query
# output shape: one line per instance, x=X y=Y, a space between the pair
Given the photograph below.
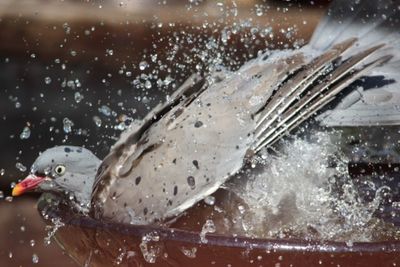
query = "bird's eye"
x=59 y=169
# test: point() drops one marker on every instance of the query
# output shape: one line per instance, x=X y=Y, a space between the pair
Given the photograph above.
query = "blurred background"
x=78 y=72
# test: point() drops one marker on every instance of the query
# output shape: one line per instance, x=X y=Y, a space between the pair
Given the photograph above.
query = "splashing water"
x=150 y=252
x=208 y=227
x=189 y=252
x=52 y=229
x=296 y=195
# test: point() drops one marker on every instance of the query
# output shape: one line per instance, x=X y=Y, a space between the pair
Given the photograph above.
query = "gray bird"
x=185 y=149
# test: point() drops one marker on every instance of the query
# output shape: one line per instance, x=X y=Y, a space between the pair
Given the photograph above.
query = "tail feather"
x=372 y=22
x=369 y=21
x=317 y=94
x=304 y=111
x=314 y=80
x=300 y=82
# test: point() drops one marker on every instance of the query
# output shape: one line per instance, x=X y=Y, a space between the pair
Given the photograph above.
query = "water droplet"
x=67 y=28
x=110 y=52
x=209 y=200
x=97 y=121
x=1 y=194
x=47 y=80
x=78 y=97
x=32 y=243
x=2 y=172
x=121 y=126
x=259 y=11
x=349 y=243
x=208 y=227
x=35 y=258
x=106 y=111
x=67 y=125
x=190 y=253
x=147 y=84
x=143 y=65
x=9 y=199
x=241 y=209
x=20 y=167
x=26 y=133
x=73 y=53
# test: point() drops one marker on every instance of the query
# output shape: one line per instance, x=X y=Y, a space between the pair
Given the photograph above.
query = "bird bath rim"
x=219 y=240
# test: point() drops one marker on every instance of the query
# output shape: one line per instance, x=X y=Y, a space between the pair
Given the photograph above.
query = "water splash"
x=150 y=252
x=52 y=229
x=296 y=195
x=189 y=252
x=208 y=227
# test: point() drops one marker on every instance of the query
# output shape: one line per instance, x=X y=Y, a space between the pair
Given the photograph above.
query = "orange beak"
x=28 y=184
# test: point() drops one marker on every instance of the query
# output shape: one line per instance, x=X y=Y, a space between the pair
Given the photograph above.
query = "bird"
x=210 y=129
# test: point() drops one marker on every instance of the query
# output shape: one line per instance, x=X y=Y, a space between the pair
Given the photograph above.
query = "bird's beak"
x=28 y=184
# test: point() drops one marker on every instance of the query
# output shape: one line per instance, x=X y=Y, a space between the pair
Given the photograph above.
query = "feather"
x=376 y=101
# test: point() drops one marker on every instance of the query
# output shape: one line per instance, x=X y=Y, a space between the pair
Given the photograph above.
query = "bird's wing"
x=131 y=136
x=189 y=89
x=375 y=101
x=375 y=98
x=187 y=153
x=313 y=88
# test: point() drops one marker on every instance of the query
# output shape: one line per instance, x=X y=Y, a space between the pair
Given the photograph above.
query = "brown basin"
x=95 y=243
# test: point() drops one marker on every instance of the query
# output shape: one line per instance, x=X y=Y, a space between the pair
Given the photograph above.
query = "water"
x=208 y=227
x=26 y=133
x=78 y=97
x=304 y=190
x=52 y=228
x=150 y=252
x=189 y=252
x=97 y=121
x=67 y=125
x=47 y=80
x=105 y=110
x=20 y=167
x=35 y=258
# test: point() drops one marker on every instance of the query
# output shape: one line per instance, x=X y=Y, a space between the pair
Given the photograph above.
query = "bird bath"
x=93 y=243
x=185 y=243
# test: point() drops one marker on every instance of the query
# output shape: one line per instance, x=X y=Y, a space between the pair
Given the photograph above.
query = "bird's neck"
x=81 y=202
x=77 y=195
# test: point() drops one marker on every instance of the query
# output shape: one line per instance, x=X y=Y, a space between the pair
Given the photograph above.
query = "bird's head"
x=66 y=171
